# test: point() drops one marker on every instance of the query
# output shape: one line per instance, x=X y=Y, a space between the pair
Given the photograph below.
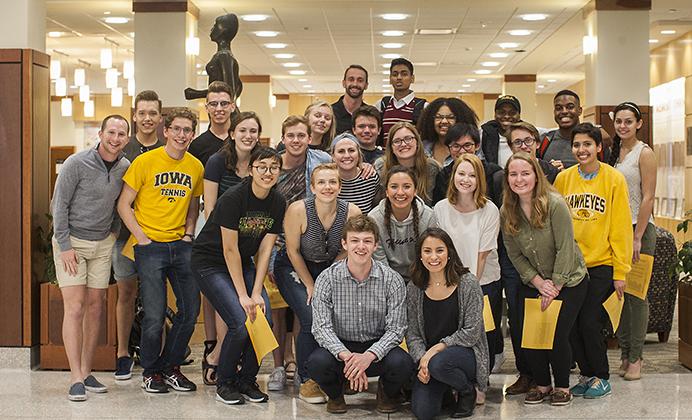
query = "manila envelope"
x=613 y=306
x=637 y=280
x=261 y=335
x=488 y=319
x=539 y=326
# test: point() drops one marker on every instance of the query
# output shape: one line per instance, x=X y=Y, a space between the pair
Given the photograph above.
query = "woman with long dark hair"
x=538 y=235
x=637 y=162
x=437 y=118
x=400 y=217
x=445 y=336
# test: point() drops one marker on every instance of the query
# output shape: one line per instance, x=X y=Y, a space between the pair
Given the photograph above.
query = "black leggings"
x=560 y=357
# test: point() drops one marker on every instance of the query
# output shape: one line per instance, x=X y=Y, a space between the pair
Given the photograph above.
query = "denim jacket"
x=314 y=158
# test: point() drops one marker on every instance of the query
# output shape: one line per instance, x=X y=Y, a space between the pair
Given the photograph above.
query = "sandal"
x=290 y=368
x=208 y=372
x=209 y=346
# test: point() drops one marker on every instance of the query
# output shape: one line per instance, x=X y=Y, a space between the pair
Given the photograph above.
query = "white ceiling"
x=326 y=36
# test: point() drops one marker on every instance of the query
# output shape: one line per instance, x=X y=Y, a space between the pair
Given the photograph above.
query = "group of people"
x=390 y=231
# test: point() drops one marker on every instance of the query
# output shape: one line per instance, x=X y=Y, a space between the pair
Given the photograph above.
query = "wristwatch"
x=190 y=235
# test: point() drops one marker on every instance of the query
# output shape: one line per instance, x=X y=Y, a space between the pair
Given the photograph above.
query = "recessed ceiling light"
x=254 y=18
x=132 y=34
x=390 y=56
x=302 y=80
x=540 y=86
x=470 y=80
x=499 y=55
x=391 y=45
x=284 y=55
x=440 y=31
x=552 y=80
x=394 y=16
x=55 y=34
x=266 y=34
x=386 y=65
x=465 y=85
x=653 y=41
x=106 y=13
x=461 y=90
x=392 y=33
x=291 y=65
x=385 y=80
x=508 y=45
x=385 y=71
x=199 y=66
x=297 y=72
x=307 y=86
x=483 y=71
x=425 y=63
x=519 y=32
x=116 y=19
x=311 y=91
x=490 y=64
x=532 y=17
x=276 y=45
x=668 y=32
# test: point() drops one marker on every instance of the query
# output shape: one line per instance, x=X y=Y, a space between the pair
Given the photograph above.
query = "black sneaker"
x=154 y=383
x=176 y=380
x=252 y=392
x=123 y=368
x=228 y=394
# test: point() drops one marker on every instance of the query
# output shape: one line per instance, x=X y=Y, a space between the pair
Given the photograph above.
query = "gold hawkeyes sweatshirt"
x=601 y=217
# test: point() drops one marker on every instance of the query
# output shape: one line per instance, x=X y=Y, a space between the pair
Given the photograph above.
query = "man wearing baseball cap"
x=493 y=142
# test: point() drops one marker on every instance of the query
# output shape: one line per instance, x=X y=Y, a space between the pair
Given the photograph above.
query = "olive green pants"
x=635 y=312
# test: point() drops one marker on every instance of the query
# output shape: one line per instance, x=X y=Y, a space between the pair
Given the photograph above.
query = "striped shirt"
x=360 y=192
x=346 y=309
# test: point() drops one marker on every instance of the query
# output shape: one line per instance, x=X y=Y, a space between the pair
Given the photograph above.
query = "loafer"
x=536 y=396
x=560 y=398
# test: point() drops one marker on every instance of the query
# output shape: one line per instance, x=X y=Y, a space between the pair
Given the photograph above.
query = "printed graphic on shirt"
x=586 y=206
x=167 y=182
x=391 y=243
x=255 y=224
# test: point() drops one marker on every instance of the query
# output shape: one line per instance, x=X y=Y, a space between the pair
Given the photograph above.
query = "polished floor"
x=42 y=394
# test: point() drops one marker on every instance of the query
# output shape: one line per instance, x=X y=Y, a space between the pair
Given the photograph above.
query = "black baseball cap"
x=508 y=99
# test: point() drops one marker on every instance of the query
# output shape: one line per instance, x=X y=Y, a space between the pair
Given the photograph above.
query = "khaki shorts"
x=93 y=263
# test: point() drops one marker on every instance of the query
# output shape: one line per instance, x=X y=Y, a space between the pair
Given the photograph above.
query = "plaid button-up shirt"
x=346 y=309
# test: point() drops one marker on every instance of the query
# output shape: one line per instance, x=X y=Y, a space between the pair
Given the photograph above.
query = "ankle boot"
x=466 y=402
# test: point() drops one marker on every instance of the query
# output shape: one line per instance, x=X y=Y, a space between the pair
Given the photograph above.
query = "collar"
x=95 y=151
x=398 y=103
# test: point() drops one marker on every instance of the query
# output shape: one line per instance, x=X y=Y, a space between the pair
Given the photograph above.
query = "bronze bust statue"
x=222 y=66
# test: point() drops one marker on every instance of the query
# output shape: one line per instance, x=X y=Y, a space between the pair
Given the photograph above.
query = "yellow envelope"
x=613 y=306
x=129 y=248
x=539 y=326
x=261 y=335
x=403 y=345
x=637 y=280
x=488 y=319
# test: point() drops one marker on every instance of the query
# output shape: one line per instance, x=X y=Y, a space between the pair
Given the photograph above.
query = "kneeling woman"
x=537 y=232
x=445 y=336
x=243 y=227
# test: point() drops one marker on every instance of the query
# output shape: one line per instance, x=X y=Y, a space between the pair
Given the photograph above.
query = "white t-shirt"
x=472 y=233
x=503 y=152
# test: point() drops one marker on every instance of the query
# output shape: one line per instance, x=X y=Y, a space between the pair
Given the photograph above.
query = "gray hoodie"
x=399 y=250
x=83 y=203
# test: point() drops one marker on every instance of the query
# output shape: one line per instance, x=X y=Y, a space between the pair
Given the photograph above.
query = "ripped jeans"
x=295 y=294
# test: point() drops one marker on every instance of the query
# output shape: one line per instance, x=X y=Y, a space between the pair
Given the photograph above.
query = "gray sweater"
x=84 y=199
x=471 y=332
x=398 y=250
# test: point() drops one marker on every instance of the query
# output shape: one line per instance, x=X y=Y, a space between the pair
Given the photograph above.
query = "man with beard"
x=493 y=141
x=220 y=106
x=355 y=83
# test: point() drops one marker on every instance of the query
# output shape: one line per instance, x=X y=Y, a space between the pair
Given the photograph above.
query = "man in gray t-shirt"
x=556 y=146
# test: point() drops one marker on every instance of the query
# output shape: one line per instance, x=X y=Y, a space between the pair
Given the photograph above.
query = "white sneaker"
x=277 y=379
x=499 y=360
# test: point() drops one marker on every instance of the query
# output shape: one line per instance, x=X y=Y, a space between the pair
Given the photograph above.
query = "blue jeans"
x=494 y=292
x=454 y=367
x=217 y=286
x=512 y=284
x=295 y=294
x=156 y=262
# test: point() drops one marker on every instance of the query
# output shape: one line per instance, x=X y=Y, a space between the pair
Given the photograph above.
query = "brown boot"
x=336 y=405
x=521 y=386
x=385 y=404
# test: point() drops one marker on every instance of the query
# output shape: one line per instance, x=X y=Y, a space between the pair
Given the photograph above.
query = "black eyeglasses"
x=529 y=141
x=468 y=147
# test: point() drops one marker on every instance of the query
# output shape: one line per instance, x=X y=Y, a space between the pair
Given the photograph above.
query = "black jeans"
x=494 y=292
x=560 y=357
x=511 y=283
x=587 y=338
x=394 y=370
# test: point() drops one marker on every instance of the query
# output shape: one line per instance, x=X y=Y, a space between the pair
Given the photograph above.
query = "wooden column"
x=25 y=174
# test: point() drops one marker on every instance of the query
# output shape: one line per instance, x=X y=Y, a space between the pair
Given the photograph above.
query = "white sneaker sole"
x=122 y=377
x=230 y=402
x=313 y=400
x=96 y=390
x=77 y=397
x=275 y=387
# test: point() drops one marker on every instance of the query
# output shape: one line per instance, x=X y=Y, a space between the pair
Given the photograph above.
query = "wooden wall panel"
x=11 y=204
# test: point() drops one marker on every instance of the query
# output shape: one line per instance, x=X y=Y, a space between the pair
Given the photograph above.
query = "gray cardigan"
x=471 y=332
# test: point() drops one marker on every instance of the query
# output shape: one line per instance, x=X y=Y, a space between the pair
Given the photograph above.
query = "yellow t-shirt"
x=600 y=212
x=164 y=188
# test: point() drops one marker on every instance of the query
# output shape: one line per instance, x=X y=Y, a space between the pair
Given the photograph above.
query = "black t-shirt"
x=370 y=156
x=215 y=170
x=441 y=317
x=205 y=145
x=240 y=210
x=342 y=117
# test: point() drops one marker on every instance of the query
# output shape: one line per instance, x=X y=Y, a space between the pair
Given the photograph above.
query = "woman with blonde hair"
x=322 y=126
x=473 y=222
x=539 y=238
x=405 y=148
